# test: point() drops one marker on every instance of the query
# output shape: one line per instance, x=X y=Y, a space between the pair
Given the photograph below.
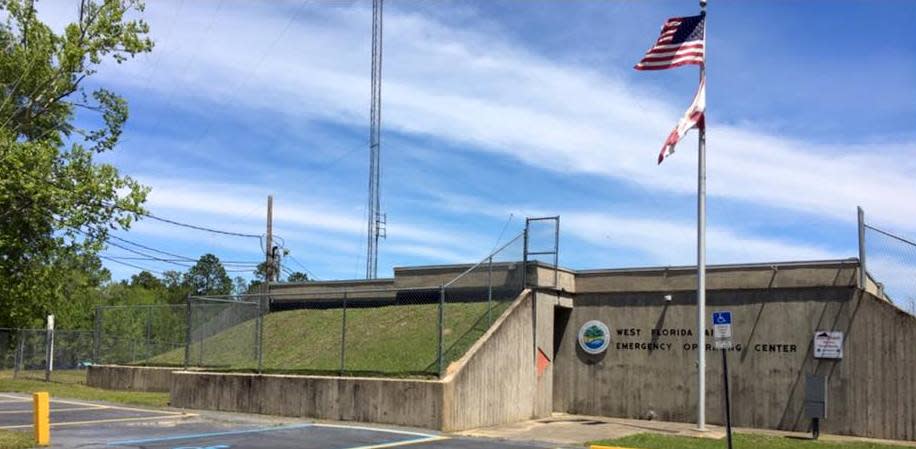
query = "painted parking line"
x=77 y=406
x=419 y=437
x=104 y=421
x=402 y=443
x=194 y=436
x=53 y=410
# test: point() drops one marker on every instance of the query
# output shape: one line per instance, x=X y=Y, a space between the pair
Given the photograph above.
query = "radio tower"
x=376 y=217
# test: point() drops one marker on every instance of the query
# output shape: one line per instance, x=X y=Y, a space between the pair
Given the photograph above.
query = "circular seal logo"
x=594 y=337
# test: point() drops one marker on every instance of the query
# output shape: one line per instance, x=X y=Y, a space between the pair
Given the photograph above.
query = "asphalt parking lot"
x=84 y=424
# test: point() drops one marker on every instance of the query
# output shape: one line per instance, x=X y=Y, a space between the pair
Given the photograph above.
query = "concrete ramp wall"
x=495 y=382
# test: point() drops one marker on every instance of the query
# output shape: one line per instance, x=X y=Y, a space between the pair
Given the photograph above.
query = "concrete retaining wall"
x=407 y=402
x=137 y=378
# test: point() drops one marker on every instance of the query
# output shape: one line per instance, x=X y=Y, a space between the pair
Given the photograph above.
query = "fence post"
x=343 y=336
x=556 y=255
x=187 y=336
x=97 y=335
x=259 y=339
x=149 y=330
x=525 y=257
x=49 y=348
x=862 y=273
x=489 y=291
x=20 y=347
x=440 y=359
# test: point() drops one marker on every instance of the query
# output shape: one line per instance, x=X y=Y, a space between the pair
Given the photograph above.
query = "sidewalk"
x=574 y=430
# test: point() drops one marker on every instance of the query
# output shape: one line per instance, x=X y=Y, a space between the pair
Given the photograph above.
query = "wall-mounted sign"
x=594 y=337
x=722 y=329
x=828 y=345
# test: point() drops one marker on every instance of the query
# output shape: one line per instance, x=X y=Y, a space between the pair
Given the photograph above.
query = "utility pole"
x=269 y=268
x=268 y=276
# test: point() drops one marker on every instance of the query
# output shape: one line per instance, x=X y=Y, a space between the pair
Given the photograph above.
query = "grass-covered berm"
x=397 y=340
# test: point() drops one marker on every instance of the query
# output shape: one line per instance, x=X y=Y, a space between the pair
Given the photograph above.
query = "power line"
x=158 y=259
x=311 y=275
x=154 y=217
x=186 y=258
x=198 y=227
x=223 y=262
x=182 y=261
x=109 y=258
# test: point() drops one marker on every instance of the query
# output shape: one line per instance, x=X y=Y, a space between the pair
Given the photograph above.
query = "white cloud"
x=305 y=222
x=489 y=94
x=665 y=243
x=466 y=87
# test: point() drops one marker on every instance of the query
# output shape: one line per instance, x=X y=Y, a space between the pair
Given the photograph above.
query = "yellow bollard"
x=42 y=406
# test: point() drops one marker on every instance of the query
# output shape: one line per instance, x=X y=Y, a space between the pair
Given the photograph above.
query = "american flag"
x=682 y=42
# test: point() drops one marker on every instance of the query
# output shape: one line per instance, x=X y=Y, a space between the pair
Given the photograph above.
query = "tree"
x=147 y=280
x=57 y=203
x=208 y=277
x=239 y=286
x=297 y=276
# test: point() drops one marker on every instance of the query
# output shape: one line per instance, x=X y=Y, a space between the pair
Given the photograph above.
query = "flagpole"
x=701 y=254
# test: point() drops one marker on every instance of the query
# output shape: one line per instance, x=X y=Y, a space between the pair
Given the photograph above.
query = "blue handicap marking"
x=721 y=318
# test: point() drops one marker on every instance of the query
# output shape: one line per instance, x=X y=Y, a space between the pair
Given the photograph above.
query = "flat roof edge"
x=851 y=262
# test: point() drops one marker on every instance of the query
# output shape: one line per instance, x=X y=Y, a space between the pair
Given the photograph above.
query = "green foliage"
x=742 y=440
x=72 y=385
x=208 y=277
x=57 y=204
x=16 y=440
x=146 y=280
x=297 y=277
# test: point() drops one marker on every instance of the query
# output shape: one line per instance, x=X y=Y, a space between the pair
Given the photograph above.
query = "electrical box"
x=815 y=396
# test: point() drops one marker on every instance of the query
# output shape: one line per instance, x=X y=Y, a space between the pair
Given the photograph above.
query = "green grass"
x=392 y=340
x=16 y=440
x=72 y=385
x=740 y=440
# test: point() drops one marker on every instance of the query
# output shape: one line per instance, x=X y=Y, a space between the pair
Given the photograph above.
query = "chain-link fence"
x=137 y=334
x=891 y=261
x=222 y=333
x=474 y=299
x=40 y=354
x=417 y=329
x=354 y=330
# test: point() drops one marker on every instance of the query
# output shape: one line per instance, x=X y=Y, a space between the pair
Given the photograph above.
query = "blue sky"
x=521 y=108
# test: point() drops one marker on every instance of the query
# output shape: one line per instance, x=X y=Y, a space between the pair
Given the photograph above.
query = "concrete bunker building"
x=530 y=365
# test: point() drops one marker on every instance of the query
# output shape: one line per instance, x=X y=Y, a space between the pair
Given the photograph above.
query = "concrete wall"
x=137 y=378
x=649 y=368
x=407 y=402
x=496 y=383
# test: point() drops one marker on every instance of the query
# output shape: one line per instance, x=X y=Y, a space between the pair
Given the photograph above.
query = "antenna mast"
x=377 y=219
